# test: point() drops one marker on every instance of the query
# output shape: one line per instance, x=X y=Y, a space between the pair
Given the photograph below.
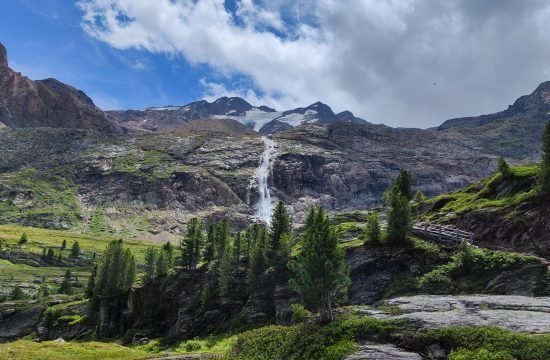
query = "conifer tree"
x=116 y=271
x=504 y=168
x=169 y=249
x=66 y=287
x=372 y=230
x=399 y=217
x=281 y=226
x=150 y=263
x=236 y=253
x=192 y=245
x=259 y=259
x=64 y=244
x=209 y=250
x=75 y=250
x=544 y=174
x=224 y=270
x=320 y=271
x=23 y=239
x=222 y=238
x=89 y=292
x=161 y=268
x=44 y=254
x=403 y=182
x=59 y=256
x=17 y=294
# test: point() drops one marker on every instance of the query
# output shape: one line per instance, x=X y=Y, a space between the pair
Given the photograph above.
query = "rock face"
x=374 y=351
x=15 y=324
x=46 y=103
x=517 y=313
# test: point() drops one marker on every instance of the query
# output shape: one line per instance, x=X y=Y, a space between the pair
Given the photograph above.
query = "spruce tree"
x=192 y=245
x=372 y=230
x=403 y=182
x=150 y=263
x=320 y=271
x=222 y=238
x=17 y=294
x=209 y=250
x=224 y=270
x=162 y=264
x=259 y=259
x=64 y=244
x=75 y=250
x=504 y=168
x=544 y=174
x=23 y=239
x=280 y=226
x=236 y=253
x=89 y=292
x=169 y=249
x=116 y=270
x=399 y=217
x=66 y=286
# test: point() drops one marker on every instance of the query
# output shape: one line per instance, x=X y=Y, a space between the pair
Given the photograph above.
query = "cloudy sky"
x=408 y=63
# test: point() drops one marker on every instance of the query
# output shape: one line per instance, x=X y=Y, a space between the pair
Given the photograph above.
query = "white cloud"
x=378 y=58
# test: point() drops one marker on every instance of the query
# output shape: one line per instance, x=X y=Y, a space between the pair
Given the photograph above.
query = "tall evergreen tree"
x=222 y=237
x=116 y=271
x=192 y=245
x=399 y=217
x=403 y=182
x=169 y=249
x=209 y=250
x=503 y=167
x=66 y=286
x=372 y=230
x=150 y=263
x=320 y=271
x=75 y=250
x=280 y=226
x=225 y=269
x=259 y=259
x=544 y=175
x=237 y=247
x=89 y=292
x=161 y=267
x=64 y=244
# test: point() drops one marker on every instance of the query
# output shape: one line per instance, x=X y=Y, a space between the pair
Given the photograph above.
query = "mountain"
x=46 y=103
x=537 y=104
x=263 y=119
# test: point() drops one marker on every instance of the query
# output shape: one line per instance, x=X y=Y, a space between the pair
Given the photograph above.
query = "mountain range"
x=65 y=163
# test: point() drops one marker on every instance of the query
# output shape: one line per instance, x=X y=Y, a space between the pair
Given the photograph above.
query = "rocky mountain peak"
x=3 y=56
x=537 y=102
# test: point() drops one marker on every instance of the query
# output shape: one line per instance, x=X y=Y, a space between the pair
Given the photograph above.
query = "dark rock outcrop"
x=46 y=103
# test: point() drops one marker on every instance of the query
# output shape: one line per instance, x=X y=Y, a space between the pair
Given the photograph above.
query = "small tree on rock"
x=75 y=250
x=504 y=168
x=320 y=271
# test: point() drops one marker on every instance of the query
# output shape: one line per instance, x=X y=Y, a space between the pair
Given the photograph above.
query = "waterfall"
x=265 y=206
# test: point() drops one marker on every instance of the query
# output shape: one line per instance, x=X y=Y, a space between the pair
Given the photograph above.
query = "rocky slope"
x=26 y=103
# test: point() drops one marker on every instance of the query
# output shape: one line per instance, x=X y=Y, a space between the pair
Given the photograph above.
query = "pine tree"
x=89 y=292
x=150 y=263
x=169 y=249
x=116 y=271
x=162 y=264
x=403 y=182
x=222 y=238
x=225 y=269
x=17 y=294
x=209 y=251
x=372 y=230
x=259 y=259
x=504 y=168
x=75 y=250
x=64 y=244
x=236 y=253
x=320 y=271
x=544 y=175
x=66 y=287
x=23 y=239
x=281 y=225
x=399 y=217
x=192 y=245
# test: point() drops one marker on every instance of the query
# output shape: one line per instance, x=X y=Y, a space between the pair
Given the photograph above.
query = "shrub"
x=299 y=313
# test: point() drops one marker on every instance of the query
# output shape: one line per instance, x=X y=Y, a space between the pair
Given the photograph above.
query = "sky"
x=409 y=63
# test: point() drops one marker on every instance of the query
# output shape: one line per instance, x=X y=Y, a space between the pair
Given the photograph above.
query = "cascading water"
x=265 y=206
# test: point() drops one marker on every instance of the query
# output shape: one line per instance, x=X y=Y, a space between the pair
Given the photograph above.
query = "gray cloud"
x=377 y=58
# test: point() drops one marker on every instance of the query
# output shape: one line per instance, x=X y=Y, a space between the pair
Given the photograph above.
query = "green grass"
x=41 y=198
x=52 y=350
x=483 y=194
x=40 y=238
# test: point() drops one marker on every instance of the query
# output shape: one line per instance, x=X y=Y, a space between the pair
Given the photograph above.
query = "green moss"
x=52 y=350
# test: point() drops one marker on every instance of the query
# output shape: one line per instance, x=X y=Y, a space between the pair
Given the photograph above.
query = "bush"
x=192 y=346
x=479 y=354
x=299 y=313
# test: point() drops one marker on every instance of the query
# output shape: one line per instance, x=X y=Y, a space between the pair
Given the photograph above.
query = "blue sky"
x=44 y=39
x=412 y=63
